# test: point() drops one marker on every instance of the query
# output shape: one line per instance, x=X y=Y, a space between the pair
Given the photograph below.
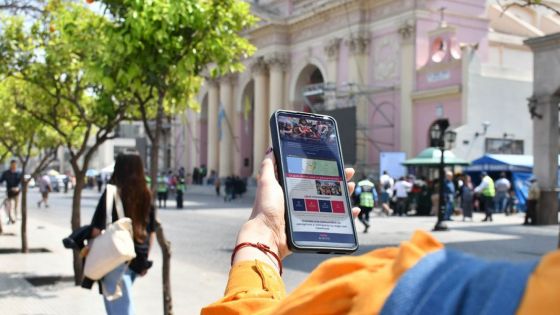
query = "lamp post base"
x=440 y=226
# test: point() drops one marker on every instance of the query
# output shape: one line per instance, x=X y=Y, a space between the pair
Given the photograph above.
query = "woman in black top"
x=128 y=177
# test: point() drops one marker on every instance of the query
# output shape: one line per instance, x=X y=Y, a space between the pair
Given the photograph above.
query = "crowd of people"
x=328 y=188
x=409 y=195
x=308 y=129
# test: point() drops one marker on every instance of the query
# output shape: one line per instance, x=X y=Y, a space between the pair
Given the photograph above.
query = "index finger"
x=267 y=170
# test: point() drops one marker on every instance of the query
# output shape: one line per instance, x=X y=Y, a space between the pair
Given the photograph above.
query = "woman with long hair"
x=128 y=177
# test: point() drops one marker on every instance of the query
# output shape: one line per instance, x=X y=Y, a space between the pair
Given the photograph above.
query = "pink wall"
x=383 y=112
x=469 y=30
x=342 y=71
x=425 y=113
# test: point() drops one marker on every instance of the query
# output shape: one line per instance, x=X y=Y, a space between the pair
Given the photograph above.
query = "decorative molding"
x=407 y=31
x=230 y=78
x=434 y=93
x=332 y=48
x=277 y=61
x=259 y=66
x=212 y=82
x=385 y=58
x=359 y=43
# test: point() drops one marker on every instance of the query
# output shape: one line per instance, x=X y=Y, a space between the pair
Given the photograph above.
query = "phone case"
x=277 y=155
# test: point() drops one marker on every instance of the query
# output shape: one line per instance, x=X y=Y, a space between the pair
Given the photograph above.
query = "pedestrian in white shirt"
x=386 y=182
x=402 y=187
x=44 y=188
x=502 y=189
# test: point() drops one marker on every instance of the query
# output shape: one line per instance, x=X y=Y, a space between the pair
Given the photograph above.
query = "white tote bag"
x=115 y=245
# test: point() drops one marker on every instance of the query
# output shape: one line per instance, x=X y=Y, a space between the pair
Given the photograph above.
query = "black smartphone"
x=311 y=173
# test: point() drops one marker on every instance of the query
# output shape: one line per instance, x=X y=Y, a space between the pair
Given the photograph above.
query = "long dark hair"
x=128 y=176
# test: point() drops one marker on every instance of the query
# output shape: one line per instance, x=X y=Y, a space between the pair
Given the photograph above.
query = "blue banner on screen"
x=314 y=177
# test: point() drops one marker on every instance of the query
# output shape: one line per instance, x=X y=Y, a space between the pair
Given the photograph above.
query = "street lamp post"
x=440 y=137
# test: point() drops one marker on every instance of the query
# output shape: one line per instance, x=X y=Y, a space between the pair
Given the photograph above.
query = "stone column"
x=543 y=108
x=545 y=151
x=357 y=63
x=226 y=139
x=332 y=49
x=213 y=107
x=260 y=120
x=276 y=65
x=408 y=72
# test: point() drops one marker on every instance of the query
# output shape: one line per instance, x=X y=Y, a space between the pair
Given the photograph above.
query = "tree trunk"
x=76 y=222
x=164 y=244
x=166 y=270
x=24 y=246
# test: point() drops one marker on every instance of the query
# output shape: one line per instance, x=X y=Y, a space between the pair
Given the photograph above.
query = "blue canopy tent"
x=518 y=168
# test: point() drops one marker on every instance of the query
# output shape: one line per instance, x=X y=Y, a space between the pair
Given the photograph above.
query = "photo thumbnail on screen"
x=296 y=128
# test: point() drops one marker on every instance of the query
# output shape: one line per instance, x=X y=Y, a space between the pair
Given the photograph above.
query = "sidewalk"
x=201 y=256
x=19 y=297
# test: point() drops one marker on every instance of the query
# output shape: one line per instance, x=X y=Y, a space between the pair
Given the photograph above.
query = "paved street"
x=202 y=237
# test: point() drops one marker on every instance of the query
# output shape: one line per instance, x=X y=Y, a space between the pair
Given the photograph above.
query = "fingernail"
x=268 y=151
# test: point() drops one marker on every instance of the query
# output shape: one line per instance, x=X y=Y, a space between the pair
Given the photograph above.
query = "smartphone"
x=311 y=172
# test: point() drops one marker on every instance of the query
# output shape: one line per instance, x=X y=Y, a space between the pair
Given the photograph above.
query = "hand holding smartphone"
x=311 y=172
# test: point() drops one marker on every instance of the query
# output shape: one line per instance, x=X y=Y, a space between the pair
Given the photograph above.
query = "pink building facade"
x=399 y=64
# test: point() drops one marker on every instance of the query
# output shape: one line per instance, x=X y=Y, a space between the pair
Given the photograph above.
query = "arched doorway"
x=308 y=88
x=245 y=131
x=203 y=131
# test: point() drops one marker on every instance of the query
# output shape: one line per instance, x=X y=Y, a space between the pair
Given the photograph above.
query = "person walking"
x=503 y=186
x=387 y=183
x=44 y=188
x=402 y=187
x=419 y=277
x=136 y=199
x=180 y=192
x=366 y=195
x=467 y=198
x=448 y=195
x=532 y=202
x=12 y=177
x=162 y=191
x=487 y=191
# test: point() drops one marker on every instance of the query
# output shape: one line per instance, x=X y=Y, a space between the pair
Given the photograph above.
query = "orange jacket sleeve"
x=342 y=285
x=360 y=284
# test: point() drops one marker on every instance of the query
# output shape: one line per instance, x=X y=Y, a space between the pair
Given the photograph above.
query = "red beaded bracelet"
x=260 y=246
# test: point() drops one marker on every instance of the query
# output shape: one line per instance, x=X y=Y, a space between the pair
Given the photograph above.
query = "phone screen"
x=318 y=204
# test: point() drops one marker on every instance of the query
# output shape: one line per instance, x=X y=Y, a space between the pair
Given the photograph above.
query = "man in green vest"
x=487 y=192
x=366 y=195
x=162 y=190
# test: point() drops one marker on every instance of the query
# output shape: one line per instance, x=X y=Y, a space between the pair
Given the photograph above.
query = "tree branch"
x=525 y=4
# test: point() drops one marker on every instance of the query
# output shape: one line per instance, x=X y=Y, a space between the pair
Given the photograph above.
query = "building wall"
x=322 y=34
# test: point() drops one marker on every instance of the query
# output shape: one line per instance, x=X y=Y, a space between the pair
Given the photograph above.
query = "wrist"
x=255 y=231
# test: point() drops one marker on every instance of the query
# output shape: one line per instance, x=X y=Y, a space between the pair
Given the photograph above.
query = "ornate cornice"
x=212 y=82
x=358 y=43
x=277 y=61
x=259 y=66
x=230 y=78
x=332 y=48
x=407 y=30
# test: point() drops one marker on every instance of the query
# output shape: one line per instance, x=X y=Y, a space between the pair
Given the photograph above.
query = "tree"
x=166 y=45
x=57 y=55
x=25 y=138
x=32 y=7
